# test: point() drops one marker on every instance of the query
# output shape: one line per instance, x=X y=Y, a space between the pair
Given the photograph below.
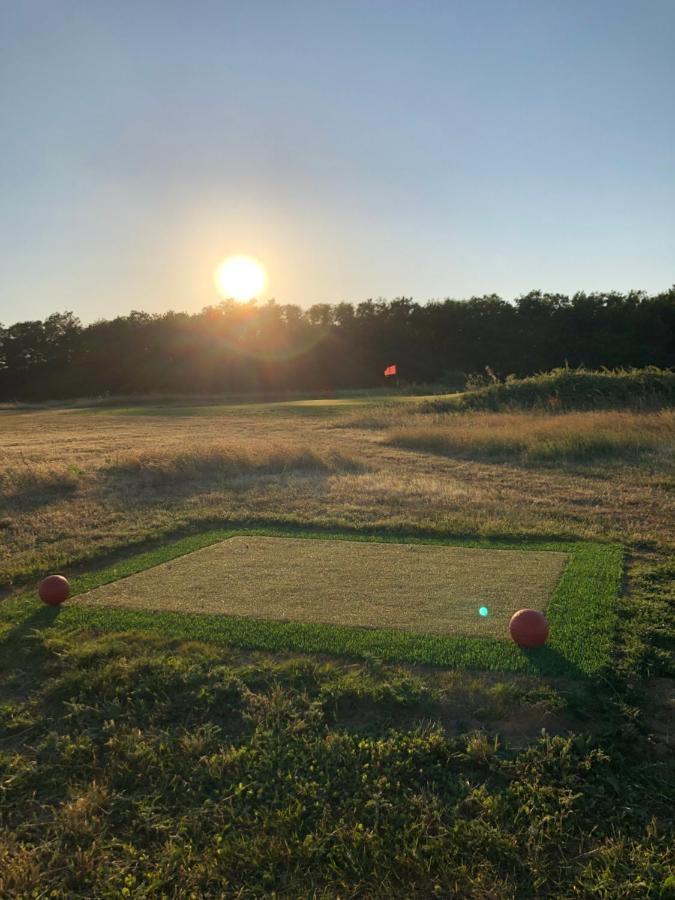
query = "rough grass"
x=573 y=437
x=144 y=768
x=228 y=460
x=34 y=482
x=30 y=481
x=572 y=389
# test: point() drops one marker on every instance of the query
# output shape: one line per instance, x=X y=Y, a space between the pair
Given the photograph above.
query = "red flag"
x=390 y=370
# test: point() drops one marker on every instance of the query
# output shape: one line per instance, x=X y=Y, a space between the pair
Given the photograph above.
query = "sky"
x=358 y=148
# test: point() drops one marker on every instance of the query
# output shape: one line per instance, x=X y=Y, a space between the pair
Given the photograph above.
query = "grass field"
x=146 y=754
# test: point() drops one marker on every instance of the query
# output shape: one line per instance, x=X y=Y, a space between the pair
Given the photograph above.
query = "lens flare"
x=483 y=611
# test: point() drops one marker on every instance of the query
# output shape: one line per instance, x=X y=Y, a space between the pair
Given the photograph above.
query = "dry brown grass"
x=533 y=437
x=162 y=467
x=110 y=498
x=28 y=480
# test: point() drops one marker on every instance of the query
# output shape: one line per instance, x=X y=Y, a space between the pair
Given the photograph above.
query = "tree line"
x=271 y=347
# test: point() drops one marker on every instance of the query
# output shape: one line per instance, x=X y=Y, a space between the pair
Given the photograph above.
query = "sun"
x=240 y=278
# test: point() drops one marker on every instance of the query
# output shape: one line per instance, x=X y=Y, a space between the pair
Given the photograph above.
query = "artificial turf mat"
x=412 y=587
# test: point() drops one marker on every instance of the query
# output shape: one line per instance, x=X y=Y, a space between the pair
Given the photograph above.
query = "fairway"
x=410 y=587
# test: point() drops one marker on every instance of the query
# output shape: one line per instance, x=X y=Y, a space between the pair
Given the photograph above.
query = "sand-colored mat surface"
x=415 y=587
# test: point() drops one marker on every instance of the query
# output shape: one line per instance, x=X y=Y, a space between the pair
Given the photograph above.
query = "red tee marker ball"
x=54 y=589
x=529 y=628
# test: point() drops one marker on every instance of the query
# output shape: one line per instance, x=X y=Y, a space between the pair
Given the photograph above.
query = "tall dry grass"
x=31 y=483
x=226 y=459
x=28 y=480
x=171 y=465
x=535 y=437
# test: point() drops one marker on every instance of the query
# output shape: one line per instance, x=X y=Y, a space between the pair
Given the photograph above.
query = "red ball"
x=54 y=589
x=529 y=628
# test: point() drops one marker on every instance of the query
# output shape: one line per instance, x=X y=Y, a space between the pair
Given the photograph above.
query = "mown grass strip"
x=581 y=612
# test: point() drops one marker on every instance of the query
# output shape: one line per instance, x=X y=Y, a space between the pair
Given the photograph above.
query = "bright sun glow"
x=240 y=277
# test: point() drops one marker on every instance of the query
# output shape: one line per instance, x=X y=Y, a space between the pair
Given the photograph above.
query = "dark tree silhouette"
x=241 y=347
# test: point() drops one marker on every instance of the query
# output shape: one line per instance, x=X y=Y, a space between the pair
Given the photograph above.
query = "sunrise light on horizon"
x=240 y=277
x=355 y=149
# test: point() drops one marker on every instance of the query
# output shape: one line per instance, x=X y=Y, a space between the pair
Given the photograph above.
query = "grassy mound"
x=569 y=389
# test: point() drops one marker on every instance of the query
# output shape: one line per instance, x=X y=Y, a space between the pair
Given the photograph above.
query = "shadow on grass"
x=38 y=620
x=35 y=496
x=549 y=661
x=119 y=489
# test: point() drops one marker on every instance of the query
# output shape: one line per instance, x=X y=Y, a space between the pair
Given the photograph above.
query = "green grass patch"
x=581 y=612
x=133 y=766
x=305 y=407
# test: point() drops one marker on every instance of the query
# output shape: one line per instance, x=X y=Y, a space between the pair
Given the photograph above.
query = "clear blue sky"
x=359 y=148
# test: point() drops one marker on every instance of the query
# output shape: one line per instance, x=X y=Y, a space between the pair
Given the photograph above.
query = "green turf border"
x=581 y=612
